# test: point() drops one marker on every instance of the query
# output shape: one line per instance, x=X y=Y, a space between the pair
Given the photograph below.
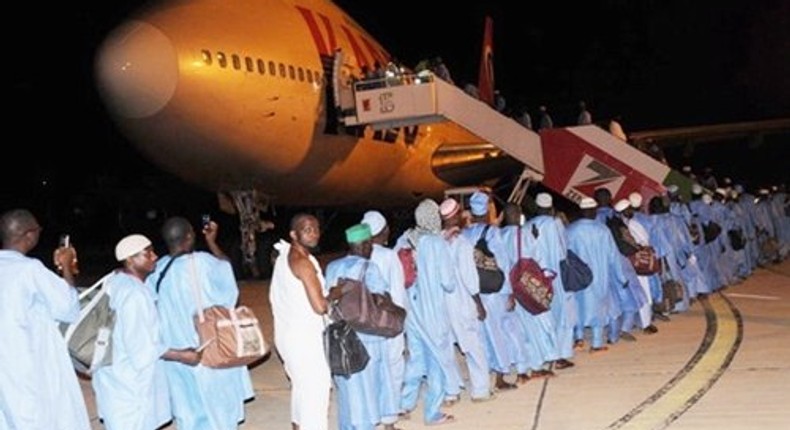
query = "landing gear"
x=255 y=245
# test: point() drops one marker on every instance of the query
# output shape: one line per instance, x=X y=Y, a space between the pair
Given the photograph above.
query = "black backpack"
x=491 y=277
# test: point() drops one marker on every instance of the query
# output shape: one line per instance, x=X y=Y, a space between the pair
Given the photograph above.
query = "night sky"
x=658 y=63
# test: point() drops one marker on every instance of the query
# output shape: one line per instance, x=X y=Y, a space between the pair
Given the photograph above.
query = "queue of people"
x=714 y=241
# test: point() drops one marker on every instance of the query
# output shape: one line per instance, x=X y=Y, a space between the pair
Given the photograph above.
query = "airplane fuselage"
x=237 y=95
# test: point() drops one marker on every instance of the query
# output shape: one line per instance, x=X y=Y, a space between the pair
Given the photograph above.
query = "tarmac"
x=724 y=364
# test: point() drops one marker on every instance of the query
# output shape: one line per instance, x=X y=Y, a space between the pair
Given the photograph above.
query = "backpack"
x=491 y=277
x=626 y=243
x=89 y=338
x=532 y=285
x=576 y=274
x=711 y=230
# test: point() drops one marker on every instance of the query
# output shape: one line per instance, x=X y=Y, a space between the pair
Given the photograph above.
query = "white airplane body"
x=234 y=96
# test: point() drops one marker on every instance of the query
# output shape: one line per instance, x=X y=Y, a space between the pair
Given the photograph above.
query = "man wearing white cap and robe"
x=391 y=269
x=550 y=251
x=745 y=200
x=465 y=308
x=132 y=392
x=642 y=237
x=531 y=340
x=707 y=253
x=733 y=263
x=597 y=304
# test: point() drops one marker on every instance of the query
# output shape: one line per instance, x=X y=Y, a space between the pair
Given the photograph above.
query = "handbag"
x=645 y=261
x=366 y=312
x=345 y=353
x=228 y=337
x=491 y=276
x=737 y=241
x=532 y=285
x=576 y=274
x=672 y=292
x=408 y=260
x=89 y=338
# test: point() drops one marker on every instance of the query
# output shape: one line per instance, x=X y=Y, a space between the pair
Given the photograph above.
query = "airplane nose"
x=137 y=70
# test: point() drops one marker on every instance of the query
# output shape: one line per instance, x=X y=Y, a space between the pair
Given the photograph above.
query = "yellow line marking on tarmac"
x=664 y=408
x=752 y=296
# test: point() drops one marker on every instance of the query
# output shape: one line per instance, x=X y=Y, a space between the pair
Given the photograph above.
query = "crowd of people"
x=458 y=337
x=503 y=345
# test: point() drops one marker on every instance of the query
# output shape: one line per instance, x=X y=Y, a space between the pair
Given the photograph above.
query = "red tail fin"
x=485 y=84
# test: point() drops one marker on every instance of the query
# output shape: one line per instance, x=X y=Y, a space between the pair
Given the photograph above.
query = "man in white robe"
x=298 y=306
x=38 y=386
x=642 y=237
x=132 y=392
x=391 y=269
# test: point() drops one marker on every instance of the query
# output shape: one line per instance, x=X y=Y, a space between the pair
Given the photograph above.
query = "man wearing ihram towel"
x=361 y=401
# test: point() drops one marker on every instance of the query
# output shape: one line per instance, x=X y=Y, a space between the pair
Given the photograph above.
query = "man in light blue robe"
x=391 y=269
x=464 y=305
x=361 y=400
x=428 y=335
x=593 y=243
x=38 y=386
x=745 y=201
x=132 y=392
x=550 y=250
x=530 y=340
x=707 y=253
x=766 y=230
x=202 y=398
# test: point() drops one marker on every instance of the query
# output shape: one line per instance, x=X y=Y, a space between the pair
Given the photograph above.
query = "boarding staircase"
x=572 y=161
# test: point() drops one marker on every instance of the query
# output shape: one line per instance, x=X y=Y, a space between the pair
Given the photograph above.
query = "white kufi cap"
x=131 y=245
x=544 y=200
x=621 y=205
x=696 y=189
x=635 y=199
x=588 y=203
x=375 y=220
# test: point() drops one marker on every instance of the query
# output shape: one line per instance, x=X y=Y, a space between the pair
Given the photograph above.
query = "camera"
x=206 y=220
x=65 y=241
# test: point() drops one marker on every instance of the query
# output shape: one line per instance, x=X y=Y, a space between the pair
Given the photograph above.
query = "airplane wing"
x=709 y=133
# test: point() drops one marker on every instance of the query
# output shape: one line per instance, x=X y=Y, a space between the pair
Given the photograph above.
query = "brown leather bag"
x=229 y=337
x=366 y=312
x=645 y=261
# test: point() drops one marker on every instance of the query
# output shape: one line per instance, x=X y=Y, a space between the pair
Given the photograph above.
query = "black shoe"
x=624 y=335
x=651 y=329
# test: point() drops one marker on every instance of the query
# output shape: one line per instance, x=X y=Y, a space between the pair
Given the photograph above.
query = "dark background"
x=657 y=63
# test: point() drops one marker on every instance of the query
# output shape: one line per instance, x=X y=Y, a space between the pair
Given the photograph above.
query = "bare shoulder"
x=300 y=264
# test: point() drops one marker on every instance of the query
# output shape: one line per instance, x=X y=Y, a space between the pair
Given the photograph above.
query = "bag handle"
x=164 y=271
x=518 y=242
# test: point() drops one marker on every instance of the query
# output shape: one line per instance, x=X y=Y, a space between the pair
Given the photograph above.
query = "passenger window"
x=272 y=69
x=222 y=60
x=309 y=76
x=292 y=73
x=206 y=57
x=282 y=70
x=301 y=74
x=248 y=63
x=261 y=67
x=236 y=61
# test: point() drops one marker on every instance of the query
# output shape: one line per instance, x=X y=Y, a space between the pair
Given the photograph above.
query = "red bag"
x=407 y=260
x=645 y=261
x=532 y=285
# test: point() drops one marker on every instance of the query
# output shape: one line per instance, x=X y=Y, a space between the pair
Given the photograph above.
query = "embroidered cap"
x=478 y=203
x=130 y=245
x=635 y=199
x=449 y=208
x=358 y=233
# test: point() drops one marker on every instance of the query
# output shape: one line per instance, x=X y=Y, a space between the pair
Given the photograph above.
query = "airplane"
x=246 y=98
